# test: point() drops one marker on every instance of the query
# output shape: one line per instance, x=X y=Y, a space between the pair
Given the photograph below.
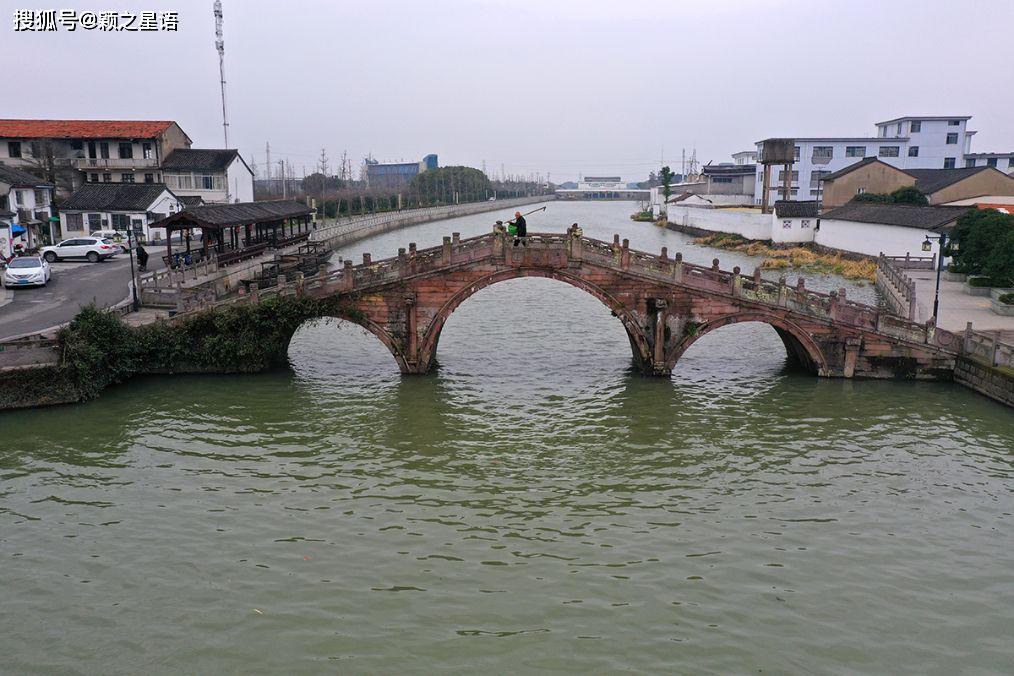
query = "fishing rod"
x=542 y=208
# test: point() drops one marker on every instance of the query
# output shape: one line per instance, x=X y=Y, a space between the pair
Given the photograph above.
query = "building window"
x=94 y=178
x=913 y=151
x=126 y=151
x=94 y=222
x=916 y=127
x=781 y=176
x=888 y=151
x=952 y=138
x=855 y=151
x=969 y=164
x=883 y=131
x=207 y=182
x=127 y=178
x=860 y=191
x=14 y=148
x=899 y=129
x=146 y=151
x=953 y=123
x=805 y=223
x=721 y=179
x=991 y=162
x=795 y=154
x=19 y=195
x=149 y=178
x=40 y=198
x=1010 y=163
x=104 y=150
x=949 y=162
x=75 y=222
x=815 y=177
x=107 y=178
x=786 y=225
x=823 y=152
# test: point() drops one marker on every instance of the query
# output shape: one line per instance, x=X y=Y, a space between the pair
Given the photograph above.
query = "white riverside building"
x=914 y=142
x=1002 y=161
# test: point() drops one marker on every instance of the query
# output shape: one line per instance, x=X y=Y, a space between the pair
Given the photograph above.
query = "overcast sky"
x=537 y=86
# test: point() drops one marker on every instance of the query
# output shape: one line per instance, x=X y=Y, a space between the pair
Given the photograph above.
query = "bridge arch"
x=798 y=343
x=392 y=344
x=638 y=341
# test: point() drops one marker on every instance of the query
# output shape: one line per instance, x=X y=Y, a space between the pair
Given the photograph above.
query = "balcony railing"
x=115 y=163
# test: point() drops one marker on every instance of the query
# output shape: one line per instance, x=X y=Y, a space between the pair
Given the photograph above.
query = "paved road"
x=72 y=286
x=956 y=306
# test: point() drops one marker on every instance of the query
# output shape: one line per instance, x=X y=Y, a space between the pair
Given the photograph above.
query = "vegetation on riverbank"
x=799 y=258
x=643 y=216
x=98 y=349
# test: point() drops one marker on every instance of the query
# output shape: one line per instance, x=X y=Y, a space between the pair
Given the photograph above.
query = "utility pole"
x=220 y=46
x=285 y=187
x=323 y=178
x=267 y=165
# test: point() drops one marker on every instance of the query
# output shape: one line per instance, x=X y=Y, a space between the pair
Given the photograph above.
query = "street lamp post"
x=928 y=246
x=133 y=278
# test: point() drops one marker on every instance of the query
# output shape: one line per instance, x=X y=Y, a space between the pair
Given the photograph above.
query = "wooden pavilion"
x=236 y=231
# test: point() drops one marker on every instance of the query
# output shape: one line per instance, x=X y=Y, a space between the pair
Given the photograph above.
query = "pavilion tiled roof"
x=82 y=128
x=240 y=213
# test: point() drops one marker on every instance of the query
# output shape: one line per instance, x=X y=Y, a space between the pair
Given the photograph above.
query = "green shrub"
x=1000 y=262
x=1006 y=298
x=98 y=349
x=983 y=233
x=906 y=195
x=980 y=281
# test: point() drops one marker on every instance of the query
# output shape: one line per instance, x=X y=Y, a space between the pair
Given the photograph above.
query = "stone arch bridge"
x=664 y=303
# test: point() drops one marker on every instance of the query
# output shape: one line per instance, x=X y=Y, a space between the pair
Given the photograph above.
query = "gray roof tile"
x=114 y=197
x=903 y=215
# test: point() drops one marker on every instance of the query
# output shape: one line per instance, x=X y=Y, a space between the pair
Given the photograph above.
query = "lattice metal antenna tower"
x=220 y=46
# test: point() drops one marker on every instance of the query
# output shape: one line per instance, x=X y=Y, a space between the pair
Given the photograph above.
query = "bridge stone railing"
x=561 y=249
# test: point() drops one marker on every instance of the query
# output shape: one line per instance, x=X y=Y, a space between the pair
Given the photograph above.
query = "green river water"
x=533 y=505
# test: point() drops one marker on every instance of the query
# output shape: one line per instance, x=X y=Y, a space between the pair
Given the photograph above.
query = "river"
x=533 y=505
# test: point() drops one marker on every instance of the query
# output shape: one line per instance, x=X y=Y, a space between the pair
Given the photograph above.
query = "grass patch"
x=797 y=258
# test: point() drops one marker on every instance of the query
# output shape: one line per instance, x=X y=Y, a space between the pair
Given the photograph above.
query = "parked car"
x=94 y=249
x=27 y=271
x=118 y=236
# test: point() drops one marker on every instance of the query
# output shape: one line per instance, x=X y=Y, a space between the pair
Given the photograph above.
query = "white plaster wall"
x=872 y=238
x=745 y=224
x=240 y=181
x=788 y=230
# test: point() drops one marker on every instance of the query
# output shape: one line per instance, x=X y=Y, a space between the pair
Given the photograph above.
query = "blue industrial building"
x=396 y=174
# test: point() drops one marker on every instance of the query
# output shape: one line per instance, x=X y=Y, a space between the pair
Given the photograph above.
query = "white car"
x=94 y=249
x=27 y=271
x=119 y=237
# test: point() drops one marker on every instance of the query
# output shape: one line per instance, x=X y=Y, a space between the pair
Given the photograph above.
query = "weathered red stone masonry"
x=663 y=303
